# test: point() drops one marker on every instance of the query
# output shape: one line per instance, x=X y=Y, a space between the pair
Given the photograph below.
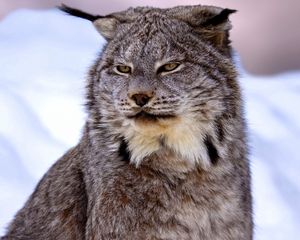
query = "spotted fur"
x=174 y=168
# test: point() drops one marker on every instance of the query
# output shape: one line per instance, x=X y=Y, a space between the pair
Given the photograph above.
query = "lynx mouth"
x=145 y=116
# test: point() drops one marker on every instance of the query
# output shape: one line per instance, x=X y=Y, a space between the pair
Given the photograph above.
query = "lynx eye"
x=123 y=69
x=169 y=67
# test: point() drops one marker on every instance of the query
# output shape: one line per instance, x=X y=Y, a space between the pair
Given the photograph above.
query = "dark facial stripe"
x=211 y=150
x=219 y=130
x=123 y=151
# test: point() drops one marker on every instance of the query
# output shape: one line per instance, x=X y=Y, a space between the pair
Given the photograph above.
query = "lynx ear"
x=216 y=28
x=105 y=25
x=219 y=20
x=211 y=22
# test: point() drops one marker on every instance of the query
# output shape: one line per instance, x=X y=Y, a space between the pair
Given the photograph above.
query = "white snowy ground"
x=44 y=57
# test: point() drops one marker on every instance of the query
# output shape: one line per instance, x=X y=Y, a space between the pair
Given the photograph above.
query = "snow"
x=44 y=58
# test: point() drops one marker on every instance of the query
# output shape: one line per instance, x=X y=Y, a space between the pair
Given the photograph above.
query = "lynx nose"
x=141 y=99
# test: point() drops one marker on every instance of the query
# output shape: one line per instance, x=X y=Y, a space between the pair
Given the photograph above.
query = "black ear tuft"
x=222 y=17
x=105 y=25
x=78 y=13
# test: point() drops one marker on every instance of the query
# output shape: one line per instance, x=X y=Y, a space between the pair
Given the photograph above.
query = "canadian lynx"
x=163 y=153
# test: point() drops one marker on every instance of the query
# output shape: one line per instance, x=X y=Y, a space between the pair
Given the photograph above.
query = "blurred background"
x=44 y=59
x=266 y=32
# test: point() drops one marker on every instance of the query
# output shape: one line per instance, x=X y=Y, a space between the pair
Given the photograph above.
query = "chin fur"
x=181 y=135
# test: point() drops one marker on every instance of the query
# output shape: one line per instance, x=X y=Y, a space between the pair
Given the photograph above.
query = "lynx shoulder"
x=163 y=154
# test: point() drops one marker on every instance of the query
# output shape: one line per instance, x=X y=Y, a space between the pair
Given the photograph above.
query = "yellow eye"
x=168 y=67
x=123 y=69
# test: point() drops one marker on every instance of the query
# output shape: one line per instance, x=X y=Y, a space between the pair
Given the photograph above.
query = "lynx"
x=163 y=154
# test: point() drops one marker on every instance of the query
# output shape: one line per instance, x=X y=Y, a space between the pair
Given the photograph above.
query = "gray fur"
x=180 y=171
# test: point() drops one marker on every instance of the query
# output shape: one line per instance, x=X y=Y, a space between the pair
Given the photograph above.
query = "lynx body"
x=163 y=153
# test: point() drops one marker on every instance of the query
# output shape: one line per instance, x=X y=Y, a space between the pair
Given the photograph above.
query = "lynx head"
x=164 y=79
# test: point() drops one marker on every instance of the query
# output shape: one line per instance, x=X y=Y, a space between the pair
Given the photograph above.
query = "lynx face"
x=162 y=80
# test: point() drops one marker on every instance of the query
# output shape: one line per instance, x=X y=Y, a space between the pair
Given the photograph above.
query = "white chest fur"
x=182 y=135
